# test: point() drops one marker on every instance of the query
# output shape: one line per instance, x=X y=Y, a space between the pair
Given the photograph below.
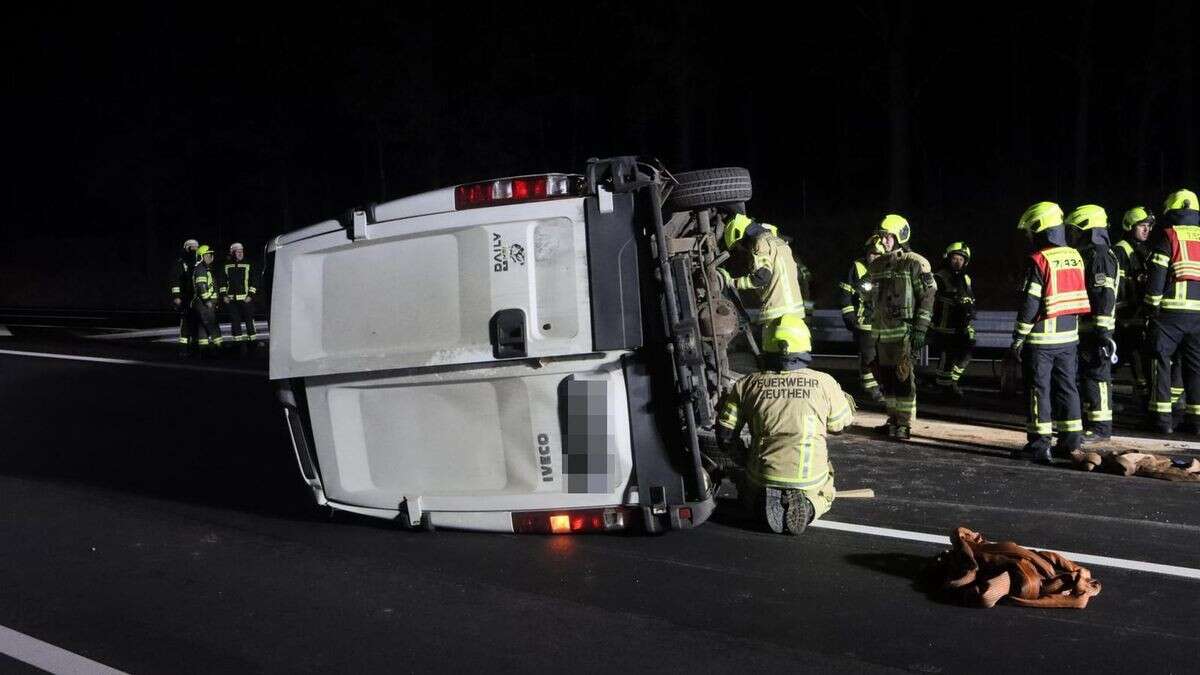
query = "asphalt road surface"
x=153 y=521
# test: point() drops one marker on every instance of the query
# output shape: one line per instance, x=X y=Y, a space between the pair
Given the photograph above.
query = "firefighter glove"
x=1014 y=352
x=918 y=339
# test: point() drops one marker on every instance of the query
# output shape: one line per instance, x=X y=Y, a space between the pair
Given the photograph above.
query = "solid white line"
x=1137 y=565
x=46 y=656
x=131 y=362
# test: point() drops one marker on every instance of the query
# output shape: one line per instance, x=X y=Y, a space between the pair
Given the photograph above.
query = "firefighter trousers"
x=208 y=330
x=1095 y=379
x=899 y=392
x=1052 y=396
x=187 y=326
x=866 y=354
x=1131 y=351
x=241 y=312
x=1175 y=338
x=954 y=354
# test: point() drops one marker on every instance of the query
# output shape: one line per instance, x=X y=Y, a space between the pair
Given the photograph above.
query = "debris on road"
x=1135 y=463
x=982 y=573
x=860 y=493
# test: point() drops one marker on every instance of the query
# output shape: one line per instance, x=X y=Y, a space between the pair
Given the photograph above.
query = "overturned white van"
x=527 y=354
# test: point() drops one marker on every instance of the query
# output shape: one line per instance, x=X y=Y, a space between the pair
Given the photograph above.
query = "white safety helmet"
x=236 y=247
x=191 y=244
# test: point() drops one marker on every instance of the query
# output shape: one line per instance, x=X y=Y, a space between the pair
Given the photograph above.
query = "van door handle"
x=508 y=334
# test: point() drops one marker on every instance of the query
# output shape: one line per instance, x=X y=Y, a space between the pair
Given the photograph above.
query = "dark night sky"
x=131 y=129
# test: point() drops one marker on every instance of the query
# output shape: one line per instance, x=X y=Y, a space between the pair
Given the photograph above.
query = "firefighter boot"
x=798 y=512
x=773 y=509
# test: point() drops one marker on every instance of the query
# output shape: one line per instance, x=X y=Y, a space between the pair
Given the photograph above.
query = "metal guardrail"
x=992 y=329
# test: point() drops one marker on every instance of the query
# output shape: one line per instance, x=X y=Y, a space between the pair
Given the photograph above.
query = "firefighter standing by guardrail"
x=238 y=288
x=1133 y=257
x=953 y=330
x=205 y=299
x=1044 y=341
x=902 y=297
x=1172 y=301
x=1102 y=274
x=182 y=291
x=856 y=314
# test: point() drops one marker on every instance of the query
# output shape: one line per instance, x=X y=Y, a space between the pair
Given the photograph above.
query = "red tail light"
x=570 y=522
x=517 y=190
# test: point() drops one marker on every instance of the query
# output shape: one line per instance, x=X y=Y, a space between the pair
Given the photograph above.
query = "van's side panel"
x=513 y=437
x=422 y=291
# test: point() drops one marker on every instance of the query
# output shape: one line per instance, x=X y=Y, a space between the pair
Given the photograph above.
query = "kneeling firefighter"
x=790 y=409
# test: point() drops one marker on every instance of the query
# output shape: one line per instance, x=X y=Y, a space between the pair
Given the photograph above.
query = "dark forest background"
x=130 y=128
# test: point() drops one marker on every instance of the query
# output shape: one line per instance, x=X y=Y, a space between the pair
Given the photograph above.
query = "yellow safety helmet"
x=203 y=251
x=789 y=334
x=1041 y=217
x=735 y=229
x=874 y=245
x=1136 y=215
x=960 y=248
x=896 y=226
x=1181 y=199
x=737 y=226
x=1087 y=217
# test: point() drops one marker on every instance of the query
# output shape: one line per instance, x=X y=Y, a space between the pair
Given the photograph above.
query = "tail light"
x=518 y=190
x=570 y=522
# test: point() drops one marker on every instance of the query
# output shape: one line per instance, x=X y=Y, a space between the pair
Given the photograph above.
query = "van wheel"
x=709 y=187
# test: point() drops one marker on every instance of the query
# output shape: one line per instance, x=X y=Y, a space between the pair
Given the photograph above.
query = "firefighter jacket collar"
x=1050 y=238
x=1182 y=217
x=1099 y=237
x=784 y=362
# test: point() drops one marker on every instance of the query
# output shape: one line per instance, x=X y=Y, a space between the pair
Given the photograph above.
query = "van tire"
x=709 y=187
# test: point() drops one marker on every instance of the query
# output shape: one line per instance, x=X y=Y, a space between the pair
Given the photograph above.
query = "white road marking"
x=1082 y=558
x=132 y=362
x=48 y=657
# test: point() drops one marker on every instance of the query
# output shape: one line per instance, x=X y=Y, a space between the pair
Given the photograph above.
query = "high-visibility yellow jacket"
x=902 y=293
x=790 y=414
x=772 y=283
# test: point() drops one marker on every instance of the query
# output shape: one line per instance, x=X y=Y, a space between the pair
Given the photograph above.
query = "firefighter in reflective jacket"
x=181 y=292
x=1053 y=295
x=761 y=266
x=205 y=298
x=790 y=409
x=1102 y=274
x=1133 y=257
x=856 y=314
x=237 y=293
x=953 y=336
x=902 y=291
x=1172 y=301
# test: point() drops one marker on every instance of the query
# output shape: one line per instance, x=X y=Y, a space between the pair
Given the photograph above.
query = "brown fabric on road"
x=982 y=573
